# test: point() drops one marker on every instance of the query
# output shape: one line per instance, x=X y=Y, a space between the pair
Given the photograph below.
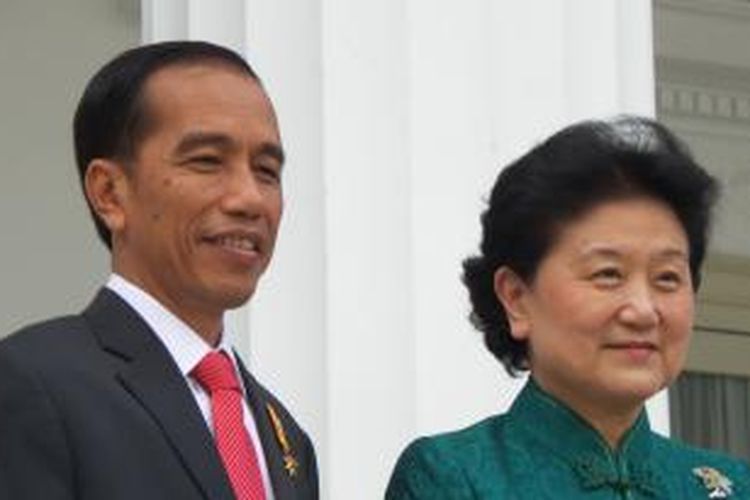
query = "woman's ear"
x=105 y=184
x=512 y=293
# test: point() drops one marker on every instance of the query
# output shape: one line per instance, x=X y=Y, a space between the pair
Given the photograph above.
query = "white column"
x=455 y=157
x=221 y=22
x=163 y=20
x=635 y=58
x=369 y=293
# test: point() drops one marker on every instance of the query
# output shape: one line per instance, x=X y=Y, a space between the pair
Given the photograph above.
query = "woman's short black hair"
x=560 y=179
x=112 y=117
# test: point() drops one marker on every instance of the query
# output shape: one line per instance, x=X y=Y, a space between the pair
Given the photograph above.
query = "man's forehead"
x=179 y=73
x=191 y=85
x=206 y=104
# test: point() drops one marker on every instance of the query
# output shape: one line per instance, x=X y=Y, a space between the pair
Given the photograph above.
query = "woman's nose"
x=640 y=310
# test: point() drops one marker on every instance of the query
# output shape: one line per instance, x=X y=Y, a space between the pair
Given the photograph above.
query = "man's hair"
x=562 y=179
x=113 y=118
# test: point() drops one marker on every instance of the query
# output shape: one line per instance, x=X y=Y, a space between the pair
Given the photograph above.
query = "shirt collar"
x=186 y=347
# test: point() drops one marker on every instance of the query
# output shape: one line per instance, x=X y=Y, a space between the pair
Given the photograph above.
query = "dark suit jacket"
x=93 y=407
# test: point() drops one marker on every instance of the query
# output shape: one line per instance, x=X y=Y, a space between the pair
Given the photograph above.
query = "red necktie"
x=215 y=373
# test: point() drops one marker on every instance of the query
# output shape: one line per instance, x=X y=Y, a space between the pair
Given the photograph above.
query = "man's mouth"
x=243 y=243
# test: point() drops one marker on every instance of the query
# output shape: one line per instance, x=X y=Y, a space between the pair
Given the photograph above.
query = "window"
x=712 y=411
x=703 y=94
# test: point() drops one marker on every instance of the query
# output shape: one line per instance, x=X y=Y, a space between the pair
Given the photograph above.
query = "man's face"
x=203 y=193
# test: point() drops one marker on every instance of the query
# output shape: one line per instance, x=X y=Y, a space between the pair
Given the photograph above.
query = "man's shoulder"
x=42 y=334
x=50 y=347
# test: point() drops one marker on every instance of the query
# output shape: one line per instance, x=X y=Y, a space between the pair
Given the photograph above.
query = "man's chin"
x=229 y=292
x=237 y=297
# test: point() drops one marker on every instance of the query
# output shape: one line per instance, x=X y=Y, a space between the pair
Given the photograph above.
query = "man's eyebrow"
x=194 y=140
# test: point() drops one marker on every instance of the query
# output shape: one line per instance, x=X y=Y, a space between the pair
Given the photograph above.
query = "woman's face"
x=609 y=314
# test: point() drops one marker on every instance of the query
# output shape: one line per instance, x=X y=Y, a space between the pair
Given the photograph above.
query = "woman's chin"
x=635 y=389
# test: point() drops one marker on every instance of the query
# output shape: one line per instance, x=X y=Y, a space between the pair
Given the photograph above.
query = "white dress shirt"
x=187 y=348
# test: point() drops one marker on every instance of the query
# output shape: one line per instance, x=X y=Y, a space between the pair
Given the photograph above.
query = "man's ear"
x=106 y=187
x=512 y=292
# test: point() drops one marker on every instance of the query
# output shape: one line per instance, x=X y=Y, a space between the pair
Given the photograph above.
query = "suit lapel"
x=153 y=379
x=283 y=486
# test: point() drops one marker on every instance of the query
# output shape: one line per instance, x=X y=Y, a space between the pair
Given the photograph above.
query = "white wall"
x=52 y=262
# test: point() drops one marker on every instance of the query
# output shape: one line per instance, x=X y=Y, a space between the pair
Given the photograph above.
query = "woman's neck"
x=610 y=419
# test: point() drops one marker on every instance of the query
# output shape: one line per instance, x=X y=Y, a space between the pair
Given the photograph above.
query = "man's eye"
x=269 y=174
x=205 y=159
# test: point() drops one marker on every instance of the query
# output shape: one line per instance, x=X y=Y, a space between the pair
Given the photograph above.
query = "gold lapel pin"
x=717 y=484
x=290 y=463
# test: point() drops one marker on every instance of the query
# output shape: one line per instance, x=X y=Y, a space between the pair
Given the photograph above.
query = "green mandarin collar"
x=548 y=424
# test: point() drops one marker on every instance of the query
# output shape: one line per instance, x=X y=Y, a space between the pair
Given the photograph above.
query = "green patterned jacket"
x=541 y=450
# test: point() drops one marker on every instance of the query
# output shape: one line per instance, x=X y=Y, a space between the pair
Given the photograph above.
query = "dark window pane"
x=712 y=411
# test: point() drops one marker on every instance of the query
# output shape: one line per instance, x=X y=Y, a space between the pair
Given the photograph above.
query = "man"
x=140 y=397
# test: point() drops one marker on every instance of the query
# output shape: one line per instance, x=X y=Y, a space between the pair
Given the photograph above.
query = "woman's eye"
x=607 y=276
x=669 y=279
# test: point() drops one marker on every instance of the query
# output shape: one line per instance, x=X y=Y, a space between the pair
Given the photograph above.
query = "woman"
x=590 y=259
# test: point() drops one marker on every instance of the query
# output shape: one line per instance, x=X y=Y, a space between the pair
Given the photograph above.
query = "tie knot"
x=216 y=372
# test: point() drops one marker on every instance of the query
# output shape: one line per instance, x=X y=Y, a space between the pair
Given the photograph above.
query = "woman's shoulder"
x=706 y=469
x=684 y=455
x=441 y=466
x=476 y=437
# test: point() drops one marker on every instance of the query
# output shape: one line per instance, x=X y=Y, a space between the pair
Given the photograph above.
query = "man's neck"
x=207 y=325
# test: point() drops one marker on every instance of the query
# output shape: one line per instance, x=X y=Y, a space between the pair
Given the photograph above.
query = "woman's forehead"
x=623 y=226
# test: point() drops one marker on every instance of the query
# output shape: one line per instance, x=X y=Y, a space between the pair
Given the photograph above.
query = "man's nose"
x=243 y=195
